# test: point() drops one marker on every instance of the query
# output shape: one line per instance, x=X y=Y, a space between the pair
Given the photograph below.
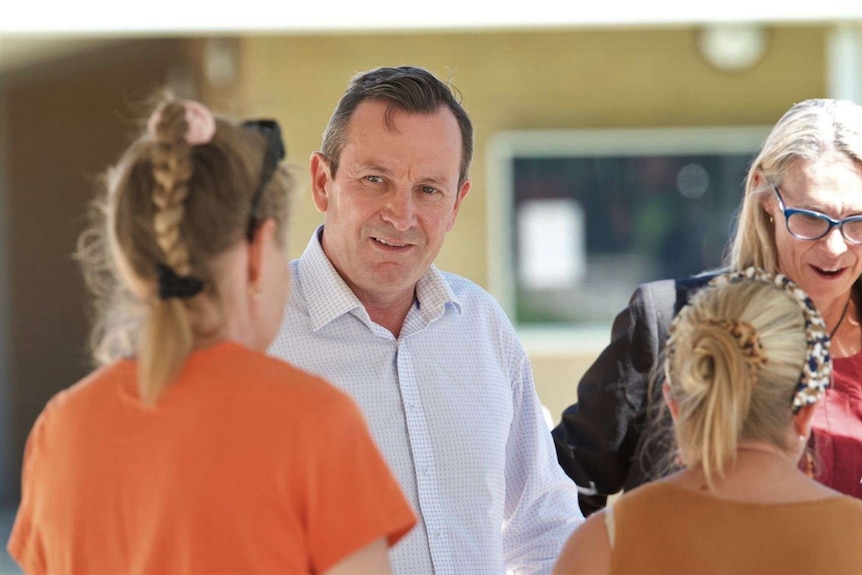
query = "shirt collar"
x=333 y=297
x=433 y=292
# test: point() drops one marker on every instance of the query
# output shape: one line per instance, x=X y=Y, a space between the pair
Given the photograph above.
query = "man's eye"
x=428 y=189
x=374 y=179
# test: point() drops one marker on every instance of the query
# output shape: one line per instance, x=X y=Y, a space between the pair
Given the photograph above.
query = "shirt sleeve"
x=351 y=496
x=541 y=505
x=25 y=543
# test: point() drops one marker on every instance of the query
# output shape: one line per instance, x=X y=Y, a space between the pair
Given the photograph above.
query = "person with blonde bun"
x=189 y=450
x=746 y=363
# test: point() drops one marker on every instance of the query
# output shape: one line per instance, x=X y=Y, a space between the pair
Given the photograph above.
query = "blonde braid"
x=167 y=336
x=172 y=170
x=177 y=199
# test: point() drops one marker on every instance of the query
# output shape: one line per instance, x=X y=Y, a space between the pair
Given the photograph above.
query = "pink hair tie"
x=201 y=122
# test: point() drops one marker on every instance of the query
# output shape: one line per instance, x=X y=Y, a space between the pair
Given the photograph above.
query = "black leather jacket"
x=600 y=440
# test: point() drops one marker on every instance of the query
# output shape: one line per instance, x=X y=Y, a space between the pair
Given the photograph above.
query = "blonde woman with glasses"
x=801 y=216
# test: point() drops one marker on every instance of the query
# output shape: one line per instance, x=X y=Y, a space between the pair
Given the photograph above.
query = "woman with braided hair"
x=189 y=450
x=745 y=364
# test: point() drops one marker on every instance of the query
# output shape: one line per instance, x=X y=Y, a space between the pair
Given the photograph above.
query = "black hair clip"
x=171 y=285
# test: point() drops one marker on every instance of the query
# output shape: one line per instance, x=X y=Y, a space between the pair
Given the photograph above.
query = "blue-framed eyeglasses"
x=813 y=225
x=275 y=152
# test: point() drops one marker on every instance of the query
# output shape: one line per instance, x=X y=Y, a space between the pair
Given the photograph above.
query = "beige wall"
x=551 y=79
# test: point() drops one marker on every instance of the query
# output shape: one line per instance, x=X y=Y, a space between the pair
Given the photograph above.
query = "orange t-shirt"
x=246 y=464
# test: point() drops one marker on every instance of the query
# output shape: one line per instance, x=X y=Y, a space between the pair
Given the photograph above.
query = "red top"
x=837 y=428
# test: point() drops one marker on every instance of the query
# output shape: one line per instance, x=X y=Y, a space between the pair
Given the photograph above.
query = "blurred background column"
x=8 y=469
x=844 y=62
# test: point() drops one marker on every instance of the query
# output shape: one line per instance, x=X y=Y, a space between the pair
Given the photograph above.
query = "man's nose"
x=400 y=209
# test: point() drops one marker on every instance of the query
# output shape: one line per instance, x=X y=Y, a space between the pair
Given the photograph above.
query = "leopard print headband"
x=817 y=371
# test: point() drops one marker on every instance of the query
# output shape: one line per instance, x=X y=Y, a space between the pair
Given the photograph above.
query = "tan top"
x=661 y=528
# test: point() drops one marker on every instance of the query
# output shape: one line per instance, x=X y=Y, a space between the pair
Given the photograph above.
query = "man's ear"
x=462 y=193
x=320 y=179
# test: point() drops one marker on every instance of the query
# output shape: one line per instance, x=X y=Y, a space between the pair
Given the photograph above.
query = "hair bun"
x=201 y=124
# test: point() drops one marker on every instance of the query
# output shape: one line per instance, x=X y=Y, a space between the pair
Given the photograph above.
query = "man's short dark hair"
x=407 y=88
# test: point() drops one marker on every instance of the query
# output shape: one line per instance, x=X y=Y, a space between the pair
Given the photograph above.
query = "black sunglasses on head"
x=275 y=152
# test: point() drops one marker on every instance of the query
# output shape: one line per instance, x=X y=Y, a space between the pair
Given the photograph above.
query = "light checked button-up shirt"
x=452 y=406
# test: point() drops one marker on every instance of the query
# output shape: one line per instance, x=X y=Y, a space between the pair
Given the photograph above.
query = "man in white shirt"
x=430 y=357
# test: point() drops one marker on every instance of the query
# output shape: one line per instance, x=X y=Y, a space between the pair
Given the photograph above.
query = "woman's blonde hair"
x=805 y=132
x=735 y=360
x=167 y=204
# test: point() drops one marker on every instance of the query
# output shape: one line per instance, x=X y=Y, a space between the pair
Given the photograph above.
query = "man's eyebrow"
x=374 y=167
x=436 y=180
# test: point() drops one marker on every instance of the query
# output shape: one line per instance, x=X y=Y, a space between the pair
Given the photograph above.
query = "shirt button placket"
x=423 y=460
